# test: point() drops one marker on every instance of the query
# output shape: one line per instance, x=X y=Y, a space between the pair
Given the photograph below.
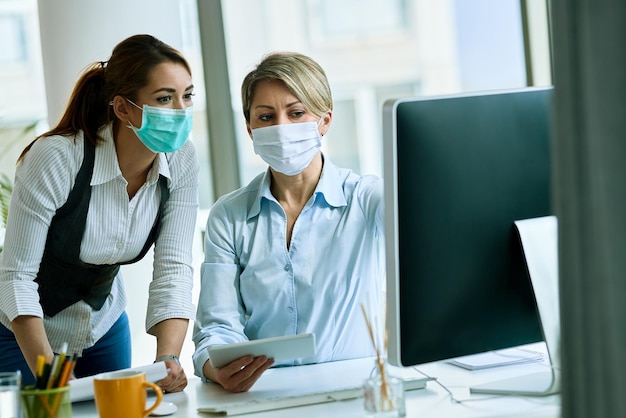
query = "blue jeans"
x=111 y=352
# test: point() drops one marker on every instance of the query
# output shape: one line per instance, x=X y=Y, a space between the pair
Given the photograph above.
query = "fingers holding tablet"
x=241 y=374
x=238 y=366
x=279 y=348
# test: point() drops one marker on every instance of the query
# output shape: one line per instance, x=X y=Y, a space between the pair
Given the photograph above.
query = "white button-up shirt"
x=115 y=231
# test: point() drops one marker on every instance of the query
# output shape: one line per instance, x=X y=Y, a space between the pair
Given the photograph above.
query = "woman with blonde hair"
x=297 y=250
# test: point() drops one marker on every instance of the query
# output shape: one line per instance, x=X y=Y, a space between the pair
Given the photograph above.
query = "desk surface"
x=433 y=401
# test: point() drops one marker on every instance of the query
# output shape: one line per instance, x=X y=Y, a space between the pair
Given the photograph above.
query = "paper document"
x=497 y=358
x=82 y=389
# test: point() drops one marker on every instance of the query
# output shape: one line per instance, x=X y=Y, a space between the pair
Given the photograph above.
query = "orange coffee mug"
x=123 y=394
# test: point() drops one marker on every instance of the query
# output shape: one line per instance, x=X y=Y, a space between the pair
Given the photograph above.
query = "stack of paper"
x=82 y=389
x=497 y=358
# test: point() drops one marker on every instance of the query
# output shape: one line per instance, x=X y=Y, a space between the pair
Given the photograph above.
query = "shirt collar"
x=329 y=187
x=106 y=166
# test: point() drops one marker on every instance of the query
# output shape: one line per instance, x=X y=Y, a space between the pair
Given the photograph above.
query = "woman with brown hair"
x=116 y=176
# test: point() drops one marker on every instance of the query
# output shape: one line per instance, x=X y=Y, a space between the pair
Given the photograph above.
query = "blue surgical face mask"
x=163 y=129
x=288 y=148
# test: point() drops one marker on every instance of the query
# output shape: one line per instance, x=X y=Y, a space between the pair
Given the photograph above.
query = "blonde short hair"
x=304 y=77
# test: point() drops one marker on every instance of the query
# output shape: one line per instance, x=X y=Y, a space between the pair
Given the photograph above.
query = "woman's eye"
x=164 y=99
x=297 y=113
x=188 y=96
x=265 y=118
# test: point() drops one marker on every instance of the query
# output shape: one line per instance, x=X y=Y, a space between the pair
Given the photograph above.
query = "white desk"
x=433 y=401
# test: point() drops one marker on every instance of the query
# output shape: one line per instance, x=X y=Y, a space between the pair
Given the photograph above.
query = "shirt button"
x=287 y=267
x=120 y=245
x=290 y=309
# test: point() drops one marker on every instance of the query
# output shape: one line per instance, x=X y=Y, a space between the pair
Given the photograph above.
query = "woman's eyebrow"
x=170 y=89
x=264 y=106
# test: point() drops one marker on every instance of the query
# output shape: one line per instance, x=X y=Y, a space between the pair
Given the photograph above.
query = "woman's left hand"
x=176 y=380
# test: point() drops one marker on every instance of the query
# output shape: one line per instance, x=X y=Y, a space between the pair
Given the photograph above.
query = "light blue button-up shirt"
x=254 y=287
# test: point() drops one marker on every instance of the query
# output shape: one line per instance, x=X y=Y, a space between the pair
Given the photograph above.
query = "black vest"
x=63 y=278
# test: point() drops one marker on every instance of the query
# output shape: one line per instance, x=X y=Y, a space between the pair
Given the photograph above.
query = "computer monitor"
x=458 y=172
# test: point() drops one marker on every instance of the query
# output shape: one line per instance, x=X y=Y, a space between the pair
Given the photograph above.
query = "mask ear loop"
x=130 y=125
x=134 y=104
x=319 y=122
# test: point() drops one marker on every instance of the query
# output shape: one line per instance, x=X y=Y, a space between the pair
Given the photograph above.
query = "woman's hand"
x=170 y=335
x=240 y=374
x=176 y=380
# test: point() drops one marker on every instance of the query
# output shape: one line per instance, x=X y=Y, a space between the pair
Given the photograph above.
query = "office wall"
x=75 y=33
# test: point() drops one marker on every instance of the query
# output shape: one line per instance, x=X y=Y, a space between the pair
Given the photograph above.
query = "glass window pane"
x=373 y=51
x=356 y=19
x=23 y=112
x=12 y=30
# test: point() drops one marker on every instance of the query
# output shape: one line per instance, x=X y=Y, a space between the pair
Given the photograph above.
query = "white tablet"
x=279 y=348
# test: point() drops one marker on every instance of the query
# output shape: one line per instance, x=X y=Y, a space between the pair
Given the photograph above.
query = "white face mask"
x=288 y=148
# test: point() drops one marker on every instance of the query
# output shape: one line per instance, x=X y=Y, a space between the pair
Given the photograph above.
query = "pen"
x=42 y=379
x=57 y=364
x=66 y=371
x=68 y=368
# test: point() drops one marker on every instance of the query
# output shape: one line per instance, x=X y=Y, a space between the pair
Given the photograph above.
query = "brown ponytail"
x=126 y=72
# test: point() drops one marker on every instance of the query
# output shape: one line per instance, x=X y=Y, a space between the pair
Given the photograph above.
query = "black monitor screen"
x=459 y=171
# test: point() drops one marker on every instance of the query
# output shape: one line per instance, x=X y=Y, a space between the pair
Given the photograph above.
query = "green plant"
x=12 y=135
x=6 y=188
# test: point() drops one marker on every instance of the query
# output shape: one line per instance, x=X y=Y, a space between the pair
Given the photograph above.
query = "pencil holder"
x=46 y=403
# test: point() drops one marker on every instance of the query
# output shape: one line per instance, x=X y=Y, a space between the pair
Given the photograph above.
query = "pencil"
x=41 y=360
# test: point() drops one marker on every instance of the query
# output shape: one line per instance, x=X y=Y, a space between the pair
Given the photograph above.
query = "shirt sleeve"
x=170 y=294
x=43 y=180
x=220 y=318
x=370 y=196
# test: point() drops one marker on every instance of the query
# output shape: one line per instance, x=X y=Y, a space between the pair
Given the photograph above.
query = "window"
x=373 y=51
x=333 y=22
x=23 y=111
x=12 y=30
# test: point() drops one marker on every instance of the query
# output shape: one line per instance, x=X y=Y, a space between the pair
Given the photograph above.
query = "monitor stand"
x=539 y=239
x=533 y=384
